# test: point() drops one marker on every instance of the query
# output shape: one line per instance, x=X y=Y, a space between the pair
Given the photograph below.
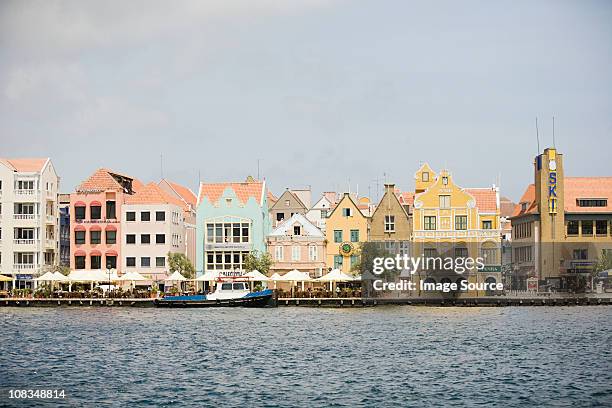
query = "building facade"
x=288 y=204
x=346 y=230
x=560 y=227
x=297 y=244
x=152 y=226
x=29 y=224
x=64 y=229
x=95 y=220
x=317 y=214
x=391 y=223
x=232 y=221
x=455 y=222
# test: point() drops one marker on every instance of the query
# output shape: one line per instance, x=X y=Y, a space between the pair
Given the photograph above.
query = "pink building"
x=297 y=243
x=189 y=200
x=95 y=220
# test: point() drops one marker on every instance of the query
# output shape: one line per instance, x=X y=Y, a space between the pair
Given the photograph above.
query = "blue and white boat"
x=227 y=293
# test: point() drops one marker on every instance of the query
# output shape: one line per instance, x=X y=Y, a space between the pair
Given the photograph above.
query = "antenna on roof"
x=161 y=164
x=554 y=144
x=537 y=135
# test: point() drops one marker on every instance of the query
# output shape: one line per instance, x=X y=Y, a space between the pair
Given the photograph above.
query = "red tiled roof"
x=245 y=190
x=26 y=165
x=153 y=194
x=185 y=193
x=486 y=199
x=587 y=187
x=506 y=207
x=406 y=197
x=271 y=198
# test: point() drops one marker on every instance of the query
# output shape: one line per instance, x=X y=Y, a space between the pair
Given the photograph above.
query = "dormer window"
x=297 y=230
x=425 y=176
x=445 y=180
x=523 y=206
x=228 y=201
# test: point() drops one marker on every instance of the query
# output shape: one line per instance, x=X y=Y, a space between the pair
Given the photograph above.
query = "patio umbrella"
x=335 y=275
x=176 y=277
x=5 y=279
x=275 y=277
x=257 y=276
x=296 y=276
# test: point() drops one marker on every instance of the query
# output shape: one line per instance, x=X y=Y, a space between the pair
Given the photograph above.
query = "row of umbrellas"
x=336 y=275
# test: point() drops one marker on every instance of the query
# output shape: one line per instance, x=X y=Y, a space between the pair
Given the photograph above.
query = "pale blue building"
x=232 y=220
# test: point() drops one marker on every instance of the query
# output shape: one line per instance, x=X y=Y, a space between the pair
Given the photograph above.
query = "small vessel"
x=227 y=293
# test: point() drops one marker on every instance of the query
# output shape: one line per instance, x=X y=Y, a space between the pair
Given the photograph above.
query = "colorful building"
x=288 y=204
x=391 y=222
x=346 y=230
x=560 y=227
x=95 y=220
x=317 y=214
x=297 y=244
x=455 y=222
x=232 y=220
x=29 y=227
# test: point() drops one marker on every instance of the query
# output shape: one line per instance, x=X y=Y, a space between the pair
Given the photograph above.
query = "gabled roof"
x=103 y=180
x=244 y=191
x=183 y=192
x=317 y=205
x=506 y=207
x=350 y=197
x=286 y=227
x=25 y=165
x=295 y=197
x=486 y=199
x=528 y=198
x=153 y=194
x=397 y=197
x=405 y=197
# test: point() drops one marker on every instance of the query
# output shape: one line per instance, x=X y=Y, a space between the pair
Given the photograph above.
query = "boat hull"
x=260 y=299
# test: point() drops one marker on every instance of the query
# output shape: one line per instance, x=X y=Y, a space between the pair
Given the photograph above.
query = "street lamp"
x=108 y=268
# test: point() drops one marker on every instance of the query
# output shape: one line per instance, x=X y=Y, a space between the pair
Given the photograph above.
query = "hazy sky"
x=320 y=91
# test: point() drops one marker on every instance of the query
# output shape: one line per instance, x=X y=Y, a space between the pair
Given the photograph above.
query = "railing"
x=25 y=241
x=25 y=216
x=50 y=243
x=33 y=193
x=21 y=267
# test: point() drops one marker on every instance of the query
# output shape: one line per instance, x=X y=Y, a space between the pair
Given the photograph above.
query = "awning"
x=79 y=252
x=79 y=228
x=95 y=204
x=80 y=204
x=95 y=252
x=110 y=228
x=95 y=228
x=111 y=252
x=5 y=279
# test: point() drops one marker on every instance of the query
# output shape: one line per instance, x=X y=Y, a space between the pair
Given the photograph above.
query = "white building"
x=28 y=219
x=317 y=214
x=152 y=225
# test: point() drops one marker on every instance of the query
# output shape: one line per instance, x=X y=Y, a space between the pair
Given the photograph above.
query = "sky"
x=332 y=94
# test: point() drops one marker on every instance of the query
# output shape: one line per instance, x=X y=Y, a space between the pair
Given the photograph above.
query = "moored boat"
x=227 y=293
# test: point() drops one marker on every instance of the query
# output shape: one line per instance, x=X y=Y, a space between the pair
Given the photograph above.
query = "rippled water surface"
x=383 y=356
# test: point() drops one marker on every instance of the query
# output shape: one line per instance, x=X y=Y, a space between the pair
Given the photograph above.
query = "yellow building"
x=346 y=228
x=455 y=222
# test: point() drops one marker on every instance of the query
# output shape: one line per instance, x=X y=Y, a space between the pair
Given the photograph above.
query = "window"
x=287 y=203
x=160 y=216
x=130 y=238
x=430 y=253
x=347 y=212
x=297 y=230
x=430 y=223
x=580 y=254
x=145 y=262
x=130 y=216
x=425 y=176
x=95 y=237
x=145 y=238
x=313 y=254
x=280 y=216
x=489 y=255
x=461 y=222
x=354 y=260
x=389 y=223
x=79 y=213
x=487 y=225
x=523 y=254
x=461 y=252
x=337 y=261
x=523 y=207
x=96 y=212
x=572 y=228
x=79 y=237
x=354 y=235
x=79 y=262
x=592 y=202
x=160 y=238
x=278 y=253
x=110 y=210
x=601 y=227
x=223 y=260
x=587 y=227
x=111 y=262
x=337 y=235
x=295 y=253
x=145 y=216
x=323 y=213
x=111 y=237
x=227 y=232
x=96 y=262
x=160 y=261
x=445 y=202
x=445 y=180
x=130 y=261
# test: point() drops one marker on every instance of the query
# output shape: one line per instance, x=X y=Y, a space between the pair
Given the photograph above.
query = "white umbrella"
x=208 y=276
x=47 y=277
x=59 y=277
x=176 y=277
x=255 y=275
x=296 y=276
x=335 y=275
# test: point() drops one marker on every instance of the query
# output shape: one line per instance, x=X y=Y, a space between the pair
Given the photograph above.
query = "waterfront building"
x=64 y=229
x=317 y=214
x=391 y=222
x=297 y=243
x=451 y=221
x=288 y=204
x=95 y=220
x=232 y=220
x=152 y=225
x=189 y=200
x=346 y=230
x=28 y=219
x=560 y=227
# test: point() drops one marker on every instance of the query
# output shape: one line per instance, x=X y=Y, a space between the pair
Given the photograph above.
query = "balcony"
x=27 y=195
x=26 y=216
x=50 y=219
x=50 y=195
x=24 y=267
x=50 y=243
